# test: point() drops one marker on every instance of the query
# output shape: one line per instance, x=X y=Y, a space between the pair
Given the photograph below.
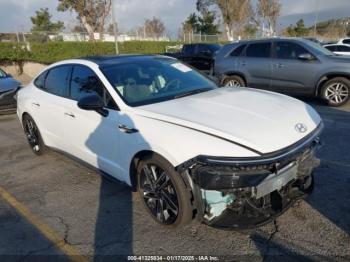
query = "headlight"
x=214 y=177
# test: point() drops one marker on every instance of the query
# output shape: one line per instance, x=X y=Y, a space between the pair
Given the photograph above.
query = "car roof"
x=274 y=39
x=115 y=59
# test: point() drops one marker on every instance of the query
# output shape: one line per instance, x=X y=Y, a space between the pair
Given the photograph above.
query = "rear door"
x=91 y=136
x=49 y=102
x=291 y=74
x=256 y=65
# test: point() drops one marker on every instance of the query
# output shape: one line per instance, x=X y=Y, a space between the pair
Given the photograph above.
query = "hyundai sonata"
x=232 y=158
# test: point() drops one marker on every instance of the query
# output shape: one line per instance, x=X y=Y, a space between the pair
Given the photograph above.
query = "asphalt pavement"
x=53 y=206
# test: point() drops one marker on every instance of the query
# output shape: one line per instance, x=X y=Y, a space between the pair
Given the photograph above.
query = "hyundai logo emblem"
x=301 y=128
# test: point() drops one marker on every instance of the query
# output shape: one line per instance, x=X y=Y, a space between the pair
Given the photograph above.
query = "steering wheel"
x=173 y=85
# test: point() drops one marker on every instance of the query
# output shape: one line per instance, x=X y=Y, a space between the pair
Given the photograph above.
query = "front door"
x=91 y=136
x=291 y=74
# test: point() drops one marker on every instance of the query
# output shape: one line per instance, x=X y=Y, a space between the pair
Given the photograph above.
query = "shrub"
x=55 y=51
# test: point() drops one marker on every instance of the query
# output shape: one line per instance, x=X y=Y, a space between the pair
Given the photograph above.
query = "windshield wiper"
x=193 y=92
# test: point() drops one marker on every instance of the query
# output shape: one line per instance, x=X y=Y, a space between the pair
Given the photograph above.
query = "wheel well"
x=24 y=114
x=133 y=166
x=234 y=74
x=326 y=78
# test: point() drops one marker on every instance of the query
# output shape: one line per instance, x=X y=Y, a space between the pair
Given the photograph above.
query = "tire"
x=336 y=92
x=33 y=135
x=166 y=198
x=234 y=81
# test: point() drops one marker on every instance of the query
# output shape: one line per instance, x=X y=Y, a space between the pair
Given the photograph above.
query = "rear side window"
x=40 y=80
x=86 y=82
x=260 y=50
x=238 y=51
x=289 y=50
x=57 y=80
x=346 y=41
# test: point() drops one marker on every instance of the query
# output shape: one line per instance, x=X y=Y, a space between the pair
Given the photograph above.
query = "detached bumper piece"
x=247 y=196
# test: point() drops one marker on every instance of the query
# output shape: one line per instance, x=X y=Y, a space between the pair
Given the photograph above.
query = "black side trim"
x=209 y=134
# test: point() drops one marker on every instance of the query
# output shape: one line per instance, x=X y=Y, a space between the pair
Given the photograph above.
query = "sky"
x=15 y=14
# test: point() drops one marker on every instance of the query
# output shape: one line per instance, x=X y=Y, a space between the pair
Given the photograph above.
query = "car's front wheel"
x=336 y=91
x=163 y=192
x=33 y=135
x=233 y=81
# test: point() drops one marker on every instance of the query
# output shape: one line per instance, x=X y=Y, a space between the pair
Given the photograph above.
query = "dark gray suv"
x=286 y=65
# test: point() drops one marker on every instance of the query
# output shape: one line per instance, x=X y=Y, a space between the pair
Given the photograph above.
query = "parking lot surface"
x=51 y=205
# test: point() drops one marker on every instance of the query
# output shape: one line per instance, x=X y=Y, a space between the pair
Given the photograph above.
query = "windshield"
x=320 y=50
x=155 y=80
x=2 y=74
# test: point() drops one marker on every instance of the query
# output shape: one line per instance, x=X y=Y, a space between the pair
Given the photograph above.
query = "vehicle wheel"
x=336 y=91
x=163 y=192
x=33 y=135
x=233 y=81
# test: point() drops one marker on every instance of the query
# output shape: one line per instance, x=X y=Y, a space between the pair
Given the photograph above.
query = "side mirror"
x=9 y=75
x=306 y=57
x=93 y=103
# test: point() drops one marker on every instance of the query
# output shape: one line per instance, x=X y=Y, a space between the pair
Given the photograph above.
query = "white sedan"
x=338 y=49
x=230 y=157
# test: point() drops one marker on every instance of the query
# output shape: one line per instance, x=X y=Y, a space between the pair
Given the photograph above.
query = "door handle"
x=36 y=104
x=243 y=63
x=279 y=65
x=70 y=115
x=127 y=130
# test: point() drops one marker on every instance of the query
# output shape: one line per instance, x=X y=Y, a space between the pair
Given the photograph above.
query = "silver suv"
x=286 y=65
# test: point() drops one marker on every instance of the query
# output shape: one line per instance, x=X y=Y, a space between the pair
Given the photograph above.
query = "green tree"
x=42 y=25
x=42 y=22
x=298 y=30
x=207 y=23
x=191 y=24
x=235 y=13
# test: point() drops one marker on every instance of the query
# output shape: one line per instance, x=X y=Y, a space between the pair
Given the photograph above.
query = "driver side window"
x=85 y=82
x=288 y=50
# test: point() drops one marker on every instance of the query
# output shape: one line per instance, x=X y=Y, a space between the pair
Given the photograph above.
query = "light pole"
x=316 y=18
x=115 y=29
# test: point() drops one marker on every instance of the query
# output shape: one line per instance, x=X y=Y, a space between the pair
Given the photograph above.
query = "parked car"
x=8 y=90
x=338 y=49
x=287 y=65
x=191 y=149
x=344 y=41
x=200 y=56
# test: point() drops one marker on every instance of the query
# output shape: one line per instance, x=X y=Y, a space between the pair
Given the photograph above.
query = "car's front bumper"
x=7 y=98
x=245 y=193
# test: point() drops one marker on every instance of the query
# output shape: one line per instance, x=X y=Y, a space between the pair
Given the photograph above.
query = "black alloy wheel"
x=163 y=192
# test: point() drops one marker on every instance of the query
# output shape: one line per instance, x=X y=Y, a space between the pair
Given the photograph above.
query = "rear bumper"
x=230 y=194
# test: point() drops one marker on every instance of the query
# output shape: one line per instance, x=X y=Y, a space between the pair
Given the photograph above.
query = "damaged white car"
x=230 y=157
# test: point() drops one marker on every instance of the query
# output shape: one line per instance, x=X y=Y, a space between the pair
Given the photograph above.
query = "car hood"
x=260 y=120
x=7 y=84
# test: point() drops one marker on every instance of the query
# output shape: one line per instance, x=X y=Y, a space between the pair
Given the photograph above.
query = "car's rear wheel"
x=233 y=81
x=33 y=135
x=163 y=192
x=336 y=91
